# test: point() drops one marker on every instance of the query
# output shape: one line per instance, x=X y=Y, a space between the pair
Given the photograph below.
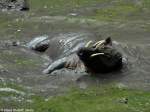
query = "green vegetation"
x=97 y=10
x=105 y=99
x=107 y=10
x=120 y=11
x=55 y=7
x=13 y=96
x=146 y=4
x=12 y=85
x=100 y=99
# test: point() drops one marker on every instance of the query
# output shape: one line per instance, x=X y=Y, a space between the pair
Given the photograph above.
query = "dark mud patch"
x=20 y=5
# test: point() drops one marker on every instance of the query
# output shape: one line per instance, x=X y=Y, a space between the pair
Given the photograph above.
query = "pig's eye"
x=81 y=54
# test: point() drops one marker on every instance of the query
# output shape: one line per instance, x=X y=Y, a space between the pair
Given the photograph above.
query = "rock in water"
x=40 y=44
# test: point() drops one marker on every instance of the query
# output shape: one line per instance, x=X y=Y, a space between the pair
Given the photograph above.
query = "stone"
x=40 y=44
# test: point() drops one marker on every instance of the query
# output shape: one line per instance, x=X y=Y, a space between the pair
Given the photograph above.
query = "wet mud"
x=23 y=66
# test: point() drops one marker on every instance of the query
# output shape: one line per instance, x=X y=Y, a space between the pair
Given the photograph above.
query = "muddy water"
x=66 y=36
x=135 y=73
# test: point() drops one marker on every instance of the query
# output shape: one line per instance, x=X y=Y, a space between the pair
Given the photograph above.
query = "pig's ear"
x=108 y=41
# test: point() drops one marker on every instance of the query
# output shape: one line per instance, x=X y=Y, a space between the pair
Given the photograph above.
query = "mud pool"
x=21 y=66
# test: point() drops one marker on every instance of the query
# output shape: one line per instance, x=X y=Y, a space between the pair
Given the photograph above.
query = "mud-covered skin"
x=110 y=61
x=70 y=62
x=98 y=58
x=101 y=57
